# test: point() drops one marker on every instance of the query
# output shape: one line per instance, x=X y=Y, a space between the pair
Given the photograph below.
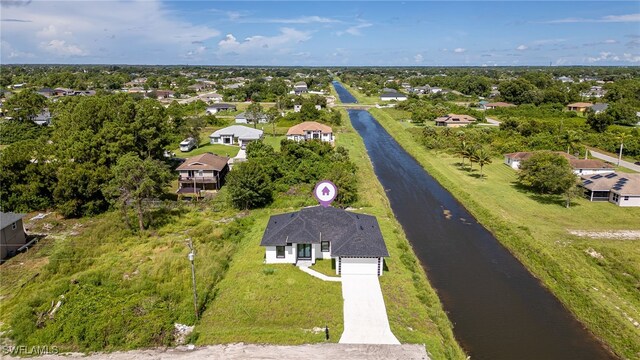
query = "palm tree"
x=463 y=151
x=621 y=137
x=572 y=139
x=482 y=157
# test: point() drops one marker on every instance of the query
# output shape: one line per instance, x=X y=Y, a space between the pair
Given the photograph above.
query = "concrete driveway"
x=365 y=316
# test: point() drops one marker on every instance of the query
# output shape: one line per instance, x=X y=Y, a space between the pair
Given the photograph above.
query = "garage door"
x=358 y=266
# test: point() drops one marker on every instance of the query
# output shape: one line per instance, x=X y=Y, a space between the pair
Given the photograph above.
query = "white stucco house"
x=235 y=135
x=388 y=96
x=310 y=130
x=216 y=108
x=244 y=118
x=621 y=189
x=580 y=166
x=353 y=240
x=298 y=107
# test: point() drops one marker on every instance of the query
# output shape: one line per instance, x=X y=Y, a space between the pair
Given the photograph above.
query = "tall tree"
x=571 y=139
x=254 y=112
x=25 y=105
x=482 y=157
x=547 y=173
x=249 y=186
x=272 y=117
x=135 y=181
x=599 y=122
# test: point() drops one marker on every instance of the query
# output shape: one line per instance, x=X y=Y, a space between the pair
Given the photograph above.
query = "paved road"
x=614 y=160
x=262 y=352
x=365 y=316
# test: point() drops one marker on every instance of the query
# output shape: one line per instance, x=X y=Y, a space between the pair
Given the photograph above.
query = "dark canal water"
x=499 y=310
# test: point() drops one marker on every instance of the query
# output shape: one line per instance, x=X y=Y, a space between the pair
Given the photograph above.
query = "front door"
x=304 y=251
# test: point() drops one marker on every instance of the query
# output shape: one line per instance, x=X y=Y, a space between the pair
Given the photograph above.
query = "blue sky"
x=384 y=33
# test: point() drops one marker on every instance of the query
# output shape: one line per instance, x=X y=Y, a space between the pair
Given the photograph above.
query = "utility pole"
x=192 y=256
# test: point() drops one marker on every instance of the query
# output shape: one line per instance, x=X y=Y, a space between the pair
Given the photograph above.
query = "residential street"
x=262 y=352
x=614 y=160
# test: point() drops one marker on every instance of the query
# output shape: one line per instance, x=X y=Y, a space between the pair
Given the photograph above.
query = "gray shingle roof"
x=350 y=234
x=7 y=219
x=239 y=131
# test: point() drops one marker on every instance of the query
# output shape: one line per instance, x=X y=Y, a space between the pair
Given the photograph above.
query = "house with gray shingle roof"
x=621 y=189
x=12 y=235
x=236 y=135
x=352 y=240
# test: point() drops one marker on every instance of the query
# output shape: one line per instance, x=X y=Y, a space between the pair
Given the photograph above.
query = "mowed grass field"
x=277 y=303
x=597 y=279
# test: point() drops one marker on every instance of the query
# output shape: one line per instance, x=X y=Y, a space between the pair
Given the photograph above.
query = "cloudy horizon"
x=154 y=32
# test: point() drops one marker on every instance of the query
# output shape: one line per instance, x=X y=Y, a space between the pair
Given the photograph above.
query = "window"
x=324 y=246
x=14 y=226
x=280 y=251
x=626 y=198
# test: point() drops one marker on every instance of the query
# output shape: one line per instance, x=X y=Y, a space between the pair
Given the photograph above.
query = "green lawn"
x=222 y=150
x=601 y=291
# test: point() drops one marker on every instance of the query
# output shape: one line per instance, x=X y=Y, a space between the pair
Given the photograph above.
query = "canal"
x=498 y=309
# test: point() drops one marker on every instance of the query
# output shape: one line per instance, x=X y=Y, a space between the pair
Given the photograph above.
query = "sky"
x=310 y=33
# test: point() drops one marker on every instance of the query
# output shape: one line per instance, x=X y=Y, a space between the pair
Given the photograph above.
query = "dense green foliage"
x=547 y=173
x=12 y=131
x=297 y=164
x=136 y=181
x=88 y=137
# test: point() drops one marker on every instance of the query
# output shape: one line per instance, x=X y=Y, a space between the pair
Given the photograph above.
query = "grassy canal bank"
x=596 y=279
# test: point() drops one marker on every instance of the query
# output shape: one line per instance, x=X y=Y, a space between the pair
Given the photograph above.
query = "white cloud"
x=418 y=58
x=606 y=56
x=610 y=41
x=522 y=47
x=604 y=19
x=10 y=52
x=355 y=30
x=287 y=36
x=197 y=51
x=61 y=48
x=300 y=20
x=548 y=41
x=78 y=28
x=459 y=50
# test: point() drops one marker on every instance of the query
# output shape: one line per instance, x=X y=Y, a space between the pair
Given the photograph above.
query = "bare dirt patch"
x=610 y=234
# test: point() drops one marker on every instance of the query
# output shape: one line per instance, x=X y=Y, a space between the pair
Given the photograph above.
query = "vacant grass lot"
x=117 y=290
x=280 y=304
x=598 y=280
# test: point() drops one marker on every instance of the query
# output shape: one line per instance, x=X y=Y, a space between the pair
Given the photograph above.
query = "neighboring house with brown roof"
x=580 y=166
x=621 y=189
x=202 y=172
x=12 y=235
x=500 y=104
x=579 y=106
x=310 y=130
x=455 y=120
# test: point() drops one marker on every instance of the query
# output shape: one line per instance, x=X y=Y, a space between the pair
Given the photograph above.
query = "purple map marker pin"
x=325 y=191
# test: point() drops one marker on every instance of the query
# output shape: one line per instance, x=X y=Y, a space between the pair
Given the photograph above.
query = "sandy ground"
x=613 y=234
x=263 y=352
